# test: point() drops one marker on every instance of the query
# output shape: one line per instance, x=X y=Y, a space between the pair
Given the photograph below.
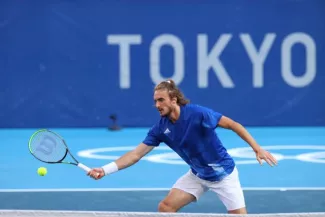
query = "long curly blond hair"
x=173 y=91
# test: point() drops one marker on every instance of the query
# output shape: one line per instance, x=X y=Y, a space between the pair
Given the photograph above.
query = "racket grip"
x=84 y=167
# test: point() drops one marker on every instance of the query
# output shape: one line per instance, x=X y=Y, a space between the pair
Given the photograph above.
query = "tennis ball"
x=42 y=171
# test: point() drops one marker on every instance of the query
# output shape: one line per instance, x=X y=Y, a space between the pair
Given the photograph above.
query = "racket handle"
x=84 y=167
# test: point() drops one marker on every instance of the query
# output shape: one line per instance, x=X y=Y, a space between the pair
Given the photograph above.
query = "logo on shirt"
x=217 y=167
x=167 y=131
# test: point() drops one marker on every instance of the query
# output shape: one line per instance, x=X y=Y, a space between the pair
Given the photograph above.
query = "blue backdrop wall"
x=73 y=63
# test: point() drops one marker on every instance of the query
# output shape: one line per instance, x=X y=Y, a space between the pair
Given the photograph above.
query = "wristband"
x=110 y=168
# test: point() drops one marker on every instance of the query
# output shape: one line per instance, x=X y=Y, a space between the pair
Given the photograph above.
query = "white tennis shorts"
x=228 y=190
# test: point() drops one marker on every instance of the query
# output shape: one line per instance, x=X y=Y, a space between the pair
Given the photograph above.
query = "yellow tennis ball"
x=42 y=171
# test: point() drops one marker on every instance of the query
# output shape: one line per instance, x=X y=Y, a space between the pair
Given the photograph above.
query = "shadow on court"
x=147 y=201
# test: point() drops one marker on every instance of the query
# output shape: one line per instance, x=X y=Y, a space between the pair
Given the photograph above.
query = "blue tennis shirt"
x=194 y=139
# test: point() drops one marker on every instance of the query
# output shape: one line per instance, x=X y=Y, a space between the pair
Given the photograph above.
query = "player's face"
x=163 y=103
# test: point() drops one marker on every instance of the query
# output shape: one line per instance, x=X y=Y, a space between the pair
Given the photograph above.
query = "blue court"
x=297 y=184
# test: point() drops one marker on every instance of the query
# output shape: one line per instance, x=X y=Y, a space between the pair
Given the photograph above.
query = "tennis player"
x=189 y=130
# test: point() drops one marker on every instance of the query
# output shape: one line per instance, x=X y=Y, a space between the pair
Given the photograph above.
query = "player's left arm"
x=240 y=130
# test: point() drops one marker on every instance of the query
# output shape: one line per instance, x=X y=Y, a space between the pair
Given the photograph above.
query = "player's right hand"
x=96 y=173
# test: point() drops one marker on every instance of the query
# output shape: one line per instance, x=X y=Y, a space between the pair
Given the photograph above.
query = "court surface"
x=297 y=184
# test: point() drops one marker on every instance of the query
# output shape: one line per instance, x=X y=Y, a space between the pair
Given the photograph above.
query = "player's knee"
x=164 y=206
x=238 y=211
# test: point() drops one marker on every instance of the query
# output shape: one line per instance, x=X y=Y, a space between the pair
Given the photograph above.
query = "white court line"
x=149 y=214
x=156 y=189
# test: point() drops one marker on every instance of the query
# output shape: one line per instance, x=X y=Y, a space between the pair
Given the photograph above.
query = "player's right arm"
x=126 y=160
x=129 y=158
x=133 y=156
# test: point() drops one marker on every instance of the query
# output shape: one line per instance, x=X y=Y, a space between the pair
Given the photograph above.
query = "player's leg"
x=175 y=200
x=186 y=190
x=230 y=193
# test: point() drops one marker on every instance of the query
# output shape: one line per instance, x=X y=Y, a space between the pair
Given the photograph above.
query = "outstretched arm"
x=261 y=154
x=123 y=162
x=133 y=156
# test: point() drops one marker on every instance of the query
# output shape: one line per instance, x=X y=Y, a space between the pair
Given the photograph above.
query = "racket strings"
x=48 y=147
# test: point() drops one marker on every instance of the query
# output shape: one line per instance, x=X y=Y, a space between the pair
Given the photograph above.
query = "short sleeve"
x=210 y=118
x=152 y=138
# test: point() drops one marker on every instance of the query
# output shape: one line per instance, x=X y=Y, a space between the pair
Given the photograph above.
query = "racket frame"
x=67 y=151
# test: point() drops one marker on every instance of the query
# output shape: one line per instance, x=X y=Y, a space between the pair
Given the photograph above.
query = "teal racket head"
x=47 y=146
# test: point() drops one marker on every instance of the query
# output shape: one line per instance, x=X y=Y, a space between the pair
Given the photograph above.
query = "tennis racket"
x=49 y=147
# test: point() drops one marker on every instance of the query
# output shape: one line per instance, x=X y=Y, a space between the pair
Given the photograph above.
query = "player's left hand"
x=261 y=154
